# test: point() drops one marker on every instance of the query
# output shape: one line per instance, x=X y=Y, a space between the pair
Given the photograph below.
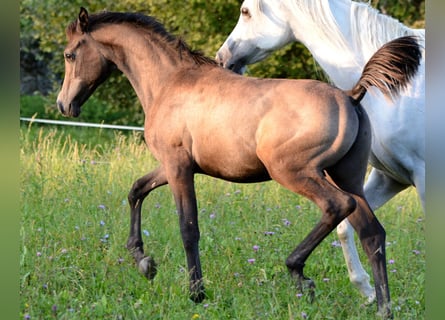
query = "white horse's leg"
x=357 y=275
x=379 y=188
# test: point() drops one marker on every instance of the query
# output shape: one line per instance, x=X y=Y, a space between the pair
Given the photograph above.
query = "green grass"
x=75 y=217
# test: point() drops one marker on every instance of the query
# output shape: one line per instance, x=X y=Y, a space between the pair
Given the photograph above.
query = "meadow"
x=75 y=222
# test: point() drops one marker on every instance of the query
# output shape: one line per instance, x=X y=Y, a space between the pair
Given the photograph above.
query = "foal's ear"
x=82 y=21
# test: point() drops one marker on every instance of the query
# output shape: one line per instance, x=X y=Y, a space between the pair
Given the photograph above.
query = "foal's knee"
x=135 y=194
x=373 y=240
x=338 y=209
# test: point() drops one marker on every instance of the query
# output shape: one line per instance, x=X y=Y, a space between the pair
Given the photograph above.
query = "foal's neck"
x=143 y=58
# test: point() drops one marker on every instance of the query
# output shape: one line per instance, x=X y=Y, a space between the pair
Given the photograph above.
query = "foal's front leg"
x=181 y=182
x=141 y=188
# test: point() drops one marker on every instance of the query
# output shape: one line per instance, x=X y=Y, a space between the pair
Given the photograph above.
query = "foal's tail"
x=390 y=69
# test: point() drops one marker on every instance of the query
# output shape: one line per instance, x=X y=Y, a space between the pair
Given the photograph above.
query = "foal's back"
x=229 y=121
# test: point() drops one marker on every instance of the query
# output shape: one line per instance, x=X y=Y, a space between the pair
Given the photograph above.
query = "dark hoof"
x=306 y=285
x=385 y=312
x=147 y=267
x=197 y=292
x=197 y=297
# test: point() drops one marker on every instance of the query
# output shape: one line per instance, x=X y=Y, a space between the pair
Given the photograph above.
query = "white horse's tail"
x=390 y=69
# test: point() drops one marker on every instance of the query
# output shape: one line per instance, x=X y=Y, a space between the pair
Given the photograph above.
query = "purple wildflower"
x=101 y=206
x=336 y=243
x=105 y=238
x=286 y=222
x=269 y=233
x=251 y=260
x=255 y=248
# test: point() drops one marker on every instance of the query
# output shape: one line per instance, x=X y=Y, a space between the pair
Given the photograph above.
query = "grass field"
x=75 y=217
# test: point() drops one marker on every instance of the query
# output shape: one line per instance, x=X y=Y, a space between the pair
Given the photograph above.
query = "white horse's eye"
x=245 y=12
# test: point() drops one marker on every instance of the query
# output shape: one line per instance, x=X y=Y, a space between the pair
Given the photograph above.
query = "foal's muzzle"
x=72 y=110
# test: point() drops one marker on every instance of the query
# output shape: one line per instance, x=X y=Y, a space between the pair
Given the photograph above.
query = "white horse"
x=342 y=35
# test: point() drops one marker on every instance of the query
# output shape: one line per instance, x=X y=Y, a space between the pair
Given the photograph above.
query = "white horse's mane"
x=370 y=28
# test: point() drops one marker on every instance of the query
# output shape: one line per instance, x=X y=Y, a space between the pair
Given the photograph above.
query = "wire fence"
x=81 y=124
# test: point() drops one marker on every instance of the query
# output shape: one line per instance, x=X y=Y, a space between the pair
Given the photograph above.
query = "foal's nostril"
x=60 y=107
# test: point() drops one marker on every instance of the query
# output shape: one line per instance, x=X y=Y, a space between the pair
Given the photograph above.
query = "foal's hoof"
x=385 y=313
x=197 y=292
x=308 y=286
x=147 y=267
x=197 y=297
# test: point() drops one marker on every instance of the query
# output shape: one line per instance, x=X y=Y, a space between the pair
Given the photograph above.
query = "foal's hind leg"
x=370 y=231
x=141 y=188
x=335 y=205
x=372 y=236
x=379 y=188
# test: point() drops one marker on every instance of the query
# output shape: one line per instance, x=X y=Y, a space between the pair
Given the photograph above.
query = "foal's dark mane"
x=148 y=23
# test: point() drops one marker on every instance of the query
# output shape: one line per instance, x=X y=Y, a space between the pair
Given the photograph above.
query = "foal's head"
x=85 y=67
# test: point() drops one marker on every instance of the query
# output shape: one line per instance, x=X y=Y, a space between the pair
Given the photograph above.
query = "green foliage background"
x=203 y=24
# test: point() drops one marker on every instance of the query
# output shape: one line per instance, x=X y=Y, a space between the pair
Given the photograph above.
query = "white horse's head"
x=259 y=31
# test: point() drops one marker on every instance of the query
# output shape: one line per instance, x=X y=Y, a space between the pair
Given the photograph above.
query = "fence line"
x=82 y=124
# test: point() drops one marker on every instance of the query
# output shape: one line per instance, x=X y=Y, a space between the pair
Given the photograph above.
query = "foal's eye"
x=245 y=12
x=70 y=56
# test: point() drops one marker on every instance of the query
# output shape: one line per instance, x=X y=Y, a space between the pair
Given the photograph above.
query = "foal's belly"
x=233 y=165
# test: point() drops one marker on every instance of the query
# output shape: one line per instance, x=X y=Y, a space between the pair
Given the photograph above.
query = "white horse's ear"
x=82 y=21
